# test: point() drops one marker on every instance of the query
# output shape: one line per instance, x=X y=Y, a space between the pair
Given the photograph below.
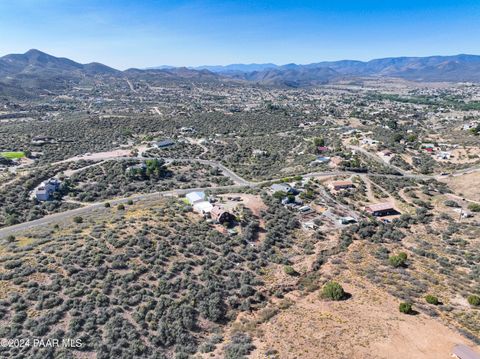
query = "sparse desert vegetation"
x=182 y=214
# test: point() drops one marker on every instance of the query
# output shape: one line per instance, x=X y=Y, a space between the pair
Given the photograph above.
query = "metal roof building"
x=194 y=197
x=461 y=351
x=381 y=209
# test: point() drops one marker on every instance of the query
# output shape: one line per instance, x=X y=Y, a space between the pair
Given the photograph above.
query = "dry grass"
x=465 y=185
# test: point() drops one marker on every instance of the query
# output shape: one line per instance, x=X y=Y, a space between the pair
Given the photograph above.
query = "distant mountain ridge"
x=26 y=74
x=36 y=70
x=34 y=60
x=456 y=68
x=346 y=65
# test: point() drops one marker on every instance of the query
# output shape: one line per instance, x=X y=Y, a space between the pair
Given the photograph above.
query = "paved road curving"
x=239 y=183
x=98 y=206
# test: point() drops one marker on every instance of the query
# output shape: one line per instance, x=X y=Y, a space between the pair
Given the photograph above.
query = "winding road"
x=239 y=183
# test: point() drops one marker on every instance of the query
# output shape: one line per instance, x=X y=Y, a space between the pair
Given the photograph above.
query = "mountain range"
x=36 y=70
x=457 y=68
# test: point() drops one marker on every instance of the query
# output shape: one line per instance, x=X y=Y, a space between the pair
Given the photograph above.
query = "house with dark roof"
x=381 y=209
x=221 y=215
x=164 y=143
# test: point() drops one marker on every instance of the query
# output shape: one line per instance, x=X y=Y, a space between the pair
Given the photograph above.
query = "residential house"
x=309 y=225
x=187 y=130
x=164 y=143
x=45 y=191
x=444 y=155
x=136 y=168
x=381 y=209
x=203 y=207
x=320 y=160
x=348 y=131
x=258 y=153
x=41 y=140
x=194 y=197
x=304 y=209
x=347 y=220
x=339 y=185
x=461 y=351
x=221 y=215
x=281 y=187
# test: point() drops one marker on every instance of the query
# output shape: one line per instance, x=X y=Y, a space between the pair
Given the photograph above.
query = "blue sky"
x=142 y=33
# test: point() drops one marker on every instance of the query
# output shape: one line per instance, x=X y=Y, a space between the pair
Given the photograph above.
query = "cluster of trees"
x=124 y=178
x=179 y=150
x=154 y=168
x=424 y=163
x=273 y=151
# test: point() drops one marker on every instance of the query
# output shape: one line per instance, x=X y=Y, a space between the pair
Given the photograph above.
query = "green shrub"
x=474 y=207
x=399 y=260
x=279 y=195
x=130 y=202
x=120 y=207
x=240 y=346
x=450 y=203
x=107 y=204
x=290 y=270
x=474 y=300
x=78 y=219
x=333 y=291
x=431 y=299
x=11 y=239
x=405 y=308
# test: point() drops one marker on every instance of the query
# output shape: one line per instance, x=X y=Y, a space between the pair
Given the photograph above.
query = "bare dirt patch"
x=466 y=185
x=368 y=325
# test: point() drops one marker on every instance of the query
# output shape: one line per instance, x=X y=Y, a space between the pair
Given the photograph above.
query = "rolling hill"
x=33 y=71
x=36 y=70
x=27 y=74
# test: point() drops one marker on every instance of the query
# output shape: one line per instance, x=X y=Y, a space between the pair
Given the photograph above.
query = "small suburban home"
x=45 y=191
x=194 y=197
x=203 y=207
x=461 y=351
x=281 y=187
x=381 y=209
x=339 y=185
x=164 y=143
